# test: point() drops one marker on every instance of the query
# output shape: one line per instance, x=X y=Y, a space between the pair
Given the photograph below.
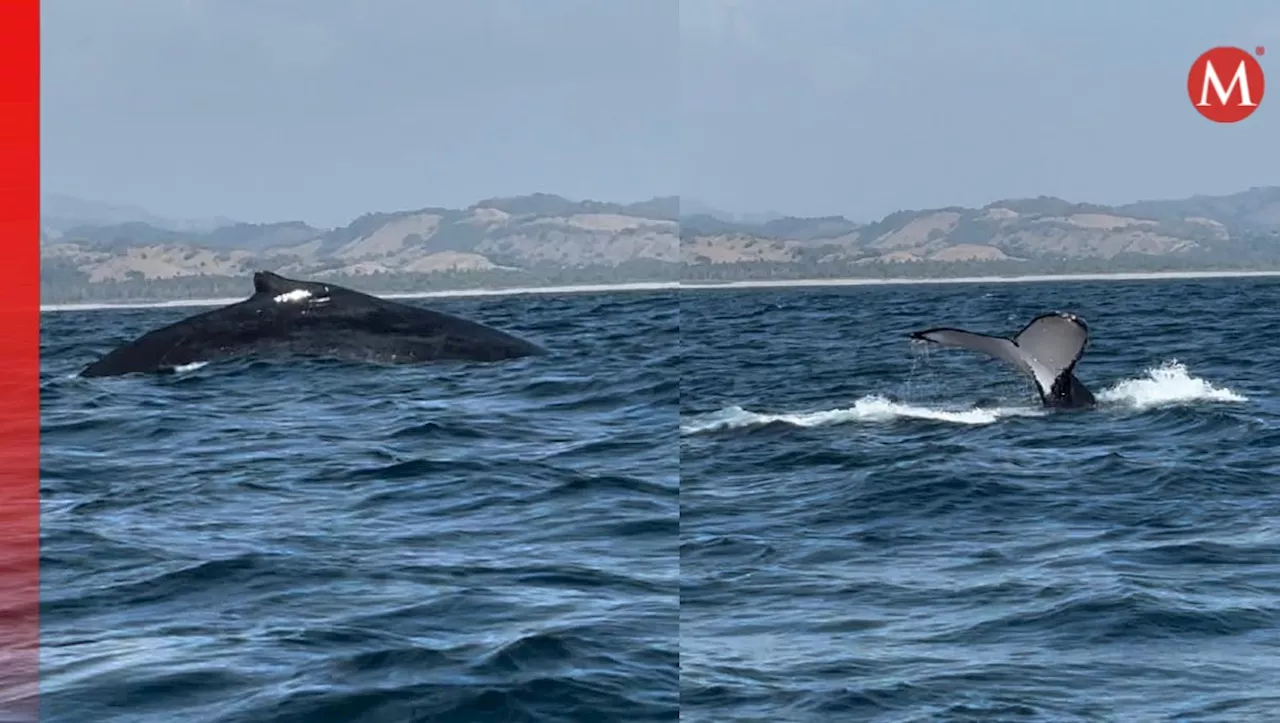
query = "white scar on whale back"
x=292 y=296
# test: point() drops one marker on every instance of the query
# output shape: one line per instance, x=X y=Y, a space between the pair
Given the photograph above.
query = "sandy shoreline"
x=751 y=284
x=1028 y=278
x=514 y=291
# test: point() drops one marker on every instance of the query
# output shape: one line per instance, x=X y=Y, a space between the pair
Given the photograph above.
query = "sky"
x=321 y=110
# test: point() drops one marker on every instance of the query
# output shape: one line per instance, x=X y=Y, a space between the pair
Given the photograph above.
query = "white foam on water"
x=873 y=408
x=1167 y=384
x=1164 y=385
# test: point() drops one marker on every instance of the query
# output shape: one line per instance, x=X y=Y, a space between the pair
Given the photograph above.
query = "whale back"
x=293 y=317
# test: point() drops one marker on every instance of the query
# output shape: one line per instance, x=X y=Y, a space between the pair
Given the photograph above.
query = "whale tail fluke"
x=1046 y=350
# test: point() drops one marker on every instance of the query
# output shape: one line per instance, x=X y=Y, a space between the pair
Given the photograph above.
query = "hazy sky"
x=324 y=109
x=864 y=108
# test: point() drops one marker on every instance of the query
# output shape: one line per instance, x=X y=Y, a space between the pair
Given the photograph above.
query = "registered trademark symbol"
x=1259 y=50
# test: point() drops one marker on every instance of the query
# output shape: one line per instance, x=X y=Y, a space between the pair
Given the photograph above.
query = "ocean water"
x=319 y=541
x=867 y=530
x=873 y=532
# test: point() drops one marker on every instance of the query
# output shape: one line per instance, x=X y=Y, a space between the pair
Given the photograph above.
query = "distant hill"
x=693 y=207
x=544 y=239
x=60 y=212
x=525 y=240
x=1028 y=235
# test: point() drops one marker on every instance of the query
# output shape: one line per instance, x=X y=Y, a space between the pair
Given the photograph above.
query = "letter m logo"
x=1238 y=97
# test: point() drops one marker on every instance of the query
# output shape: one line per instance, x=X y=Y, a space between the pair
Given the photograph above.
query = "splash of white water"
x=1166 y=384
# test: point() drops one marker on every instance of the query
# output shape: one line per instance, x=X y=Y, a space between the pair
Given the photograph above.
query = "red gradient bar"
x=19 y=359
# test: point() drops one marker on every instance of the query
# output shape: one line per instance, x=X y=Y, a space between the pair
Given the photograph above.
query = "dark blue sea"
x=870 y=532
x=867 y=530
x=322 y=541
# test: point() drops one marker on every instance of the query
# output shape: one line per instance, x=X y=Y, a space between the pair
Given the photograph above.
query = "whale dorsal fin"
x=1047 y=349
x=268 y=282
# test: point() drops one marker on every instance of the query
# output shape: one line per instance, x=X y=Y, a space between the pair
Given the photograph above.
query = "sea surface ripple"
x=871 y=531
x=322 y=541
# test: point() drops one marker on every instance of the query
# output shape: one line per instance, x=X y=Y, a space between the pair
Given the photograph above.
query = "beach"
x=746 y=284
x=513 y=291
x=1028 y=278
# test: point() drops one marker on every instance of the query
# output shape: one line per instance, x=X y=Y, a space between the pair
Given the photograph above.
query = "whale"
x=1046 y=351
x=289 y=317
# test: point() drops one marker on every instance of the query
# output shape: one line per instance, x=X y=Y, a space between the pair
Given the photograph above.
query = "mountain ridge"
x=544 y=238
